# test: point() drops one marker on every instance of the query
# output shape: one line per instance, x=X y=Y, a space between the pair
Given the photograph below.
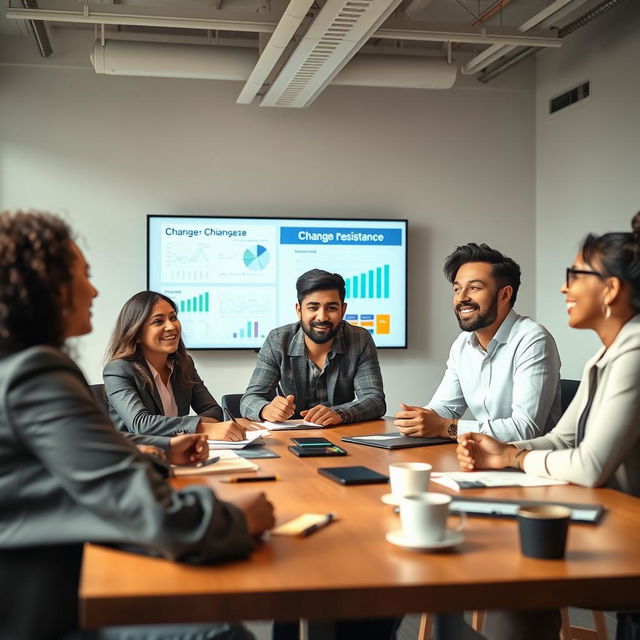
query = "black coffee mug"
x=543 y=530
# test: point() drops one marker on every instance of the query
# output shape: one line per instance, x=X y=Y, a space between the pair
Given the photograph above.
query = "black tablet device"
x=311 y=442
x=353 y=475
x=321 y=451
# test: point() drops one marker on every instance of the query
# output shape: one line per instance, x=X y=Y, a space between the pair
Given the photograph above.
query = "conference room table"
x=348 y=569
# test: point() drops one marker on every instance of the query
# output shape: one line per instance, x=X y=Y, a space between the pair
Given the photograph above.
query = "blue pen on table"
x=329 y=517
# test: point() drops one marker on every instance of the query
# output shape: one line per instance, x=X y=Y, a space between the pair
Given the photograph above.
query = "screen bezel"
x=310 y=218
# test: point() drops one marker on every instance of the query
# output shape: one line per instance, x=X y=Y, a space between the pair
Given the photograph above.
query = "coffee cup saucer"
x=451 y=539
x=389 y=498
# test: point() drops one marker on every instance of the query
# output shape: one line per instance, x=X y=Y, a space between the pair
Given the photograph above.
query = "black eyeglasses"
x=572 y=273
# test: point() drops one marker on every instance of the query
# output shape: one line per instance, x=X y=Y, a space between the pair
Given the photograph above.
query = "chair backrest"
x=100 y=396
x=568 y=390
x=39 y=587
x=231 y=402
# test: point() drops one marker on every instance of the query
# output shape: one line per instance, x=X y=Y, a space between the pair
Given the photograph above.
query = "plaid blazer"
x=354 y=381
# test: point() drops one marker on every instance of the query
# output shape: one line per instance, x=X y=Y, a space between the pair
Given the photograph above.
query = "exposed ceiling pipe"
x=396 y=30
x=578 y=23
x=486 y=15
x=39 y=31
x=416 y=7
x=119 y=57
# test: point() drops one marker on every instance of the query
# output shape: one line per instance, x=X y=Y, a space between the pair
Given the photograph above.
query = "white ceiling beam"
x=235 y=21
x=395 y=30
x=498 y=50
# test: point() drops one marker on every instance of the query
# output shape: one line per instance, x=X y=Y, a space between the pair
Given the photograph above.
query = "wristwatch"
x=452 y=429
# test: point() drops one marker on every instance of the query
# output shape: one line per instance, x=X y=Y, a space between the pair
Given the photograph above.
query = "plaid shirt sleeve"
x=362 y=358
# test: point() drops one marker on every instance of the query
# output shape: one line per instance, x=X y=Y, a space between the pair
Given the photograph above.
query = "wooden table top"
x=348 y=569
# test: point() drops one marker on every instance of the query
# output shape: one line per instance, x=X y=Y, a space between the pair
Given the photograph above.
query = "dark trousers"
x=522 y=625
x=366 y=628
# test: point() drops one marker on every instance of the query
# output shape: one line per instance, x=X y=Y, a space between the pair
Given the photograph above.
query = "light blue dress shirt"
x=512 y=389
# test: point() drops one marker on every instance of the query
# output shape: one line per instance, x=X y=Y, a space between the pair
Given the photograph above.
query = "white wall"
x=109 y=150
x=588 y=159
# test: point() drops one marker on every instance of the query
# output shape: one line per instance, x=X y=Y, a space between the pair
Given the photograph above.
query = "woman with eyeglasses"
x=151 y=381
x=66 y=475
x=597 y=440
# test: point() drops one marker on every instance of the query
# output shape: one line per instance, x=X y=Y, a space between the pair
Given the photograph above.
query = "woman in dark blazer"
x=66 y=475
x=151 y=382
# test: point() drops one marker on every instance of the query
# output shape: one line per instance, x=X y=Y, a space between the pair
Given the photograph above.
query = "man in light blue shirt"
x=503 y=367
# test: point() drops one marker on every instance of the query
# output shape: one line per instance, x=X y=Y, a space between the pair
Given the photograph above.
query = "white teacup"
x=424 y=518
x=408 y=477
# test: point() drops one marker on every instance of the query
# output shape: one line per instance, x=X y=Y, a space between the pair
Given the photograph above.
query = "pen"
x=249 y=478
x=279 y=391
x=204 y=463
x=318 y=525
x=232 y=418
x=229 y=415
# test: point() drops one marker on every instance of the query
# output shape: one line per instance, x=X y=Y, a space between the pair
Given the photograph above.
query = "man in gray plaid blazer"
x=321 y=368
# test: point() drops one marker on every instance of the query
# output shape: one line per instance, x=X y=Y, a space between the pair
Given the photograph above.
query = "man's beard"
x=320 y=338
x=482 y=320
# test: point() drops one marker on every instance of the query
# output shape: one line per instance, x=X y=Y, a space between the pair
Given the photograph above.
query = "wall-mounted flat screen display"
x=233 y=279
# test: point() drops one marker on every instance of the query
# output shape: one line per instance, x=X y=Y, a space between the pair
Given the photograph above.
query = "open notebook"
x=229 y=462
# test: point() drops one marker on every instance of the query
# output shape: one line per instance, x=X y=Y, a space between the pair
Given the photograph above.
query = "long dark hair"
x=619 y=257
x=125 y=338
x=36 y=261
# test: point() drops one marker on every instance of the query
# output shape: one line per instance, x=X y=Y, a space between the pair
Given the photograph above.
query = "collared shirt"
x=317 y=382
x=512 y=389
x=165 y=391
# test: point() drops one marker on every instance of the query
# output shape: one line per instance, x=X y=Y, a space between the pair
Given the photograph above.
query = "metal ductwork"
x=504 y=65
x=120 y=57
x=39 y=31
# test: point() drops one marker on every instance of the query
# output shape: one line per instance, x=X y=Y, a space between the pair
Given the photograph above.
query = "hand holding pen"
x=280 y=408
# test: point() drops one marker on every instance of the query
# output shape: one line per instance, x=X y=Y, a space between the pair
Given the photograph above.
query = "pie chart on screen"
x=256 y=257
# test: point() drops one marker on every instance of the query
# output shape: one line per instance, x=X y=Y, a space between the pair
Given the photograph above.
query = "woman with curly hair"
x=151 y=381
x=66 y=475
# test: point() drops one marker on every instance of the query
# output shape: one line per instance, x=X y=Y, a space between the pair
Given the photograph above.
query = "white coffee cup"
x=408 y=477
x=424 y=518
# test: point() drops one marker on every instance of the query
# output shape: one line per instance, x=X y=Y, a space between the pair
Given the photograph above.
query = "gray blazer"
x=67 y=476
x=354 y=381
x=134 y=406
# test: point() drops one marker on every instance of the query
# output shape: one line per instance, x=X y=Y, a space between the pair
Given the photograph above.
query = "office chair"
x=231 y=402
x=100 y=396
x=568 y=390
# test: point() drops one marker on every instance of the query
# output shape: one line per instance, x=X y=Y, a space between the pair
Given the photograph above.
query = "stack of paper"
x=288 y=424
x=251 y=437
x=457 y=480
x=229 y=462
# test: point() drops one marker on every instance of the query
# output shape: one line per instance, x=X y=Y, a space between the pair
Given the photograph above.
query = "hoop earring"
x=606 y=311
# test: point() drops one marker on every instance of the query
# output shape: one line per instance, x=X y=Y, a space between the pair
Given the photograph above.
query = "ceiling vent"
x=334 y=37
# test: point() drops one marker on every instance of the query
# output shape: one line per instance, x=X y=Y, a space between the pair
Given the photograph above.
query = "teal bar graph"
x=198 y=304
x=372 y=284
